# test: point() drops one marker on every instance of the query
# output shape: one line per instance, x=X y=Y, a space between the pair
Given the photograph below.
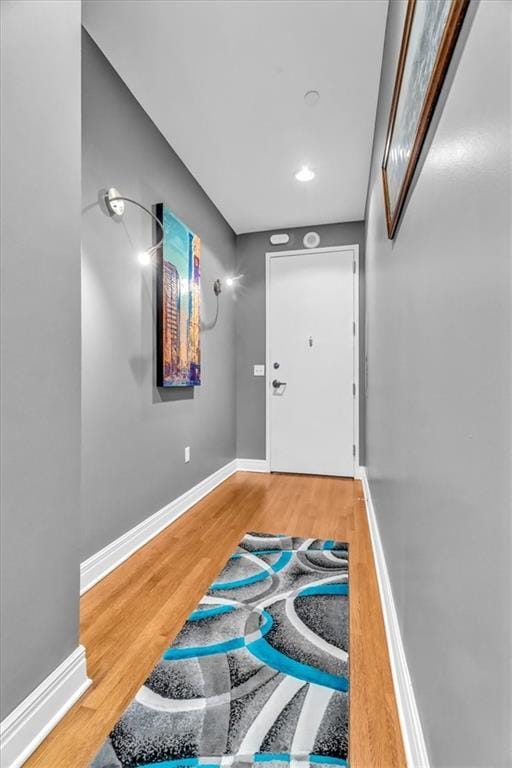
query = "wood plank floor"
x=129 y=618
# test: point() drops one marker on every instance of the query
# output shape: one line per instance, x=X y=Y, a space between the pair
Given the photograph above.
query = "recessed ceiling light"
x=305 y=174
x=311 y=98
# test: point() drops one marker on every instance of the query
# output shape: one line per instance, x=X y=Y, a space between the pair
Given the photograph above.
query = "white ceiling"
x=224 y=81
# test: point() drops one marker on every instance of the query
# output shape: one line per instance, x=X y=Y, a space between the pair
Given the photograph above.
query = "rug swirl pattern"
x=259 y=673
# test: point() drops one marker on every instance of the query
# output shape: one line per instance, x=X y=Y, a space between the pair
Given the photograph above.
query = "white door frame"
x=268 y=373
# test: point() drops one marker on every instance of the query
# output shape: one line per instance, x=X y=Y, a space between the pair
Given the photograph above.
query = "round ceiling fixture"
x=305 y=174
x=311 y=240
x=311 y=98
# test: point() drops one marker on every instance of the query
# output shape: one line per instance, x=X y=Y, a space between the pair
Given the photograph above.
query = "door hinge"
x=354 y=267
x=354 y=389
x=353 y=450
x=354 y=328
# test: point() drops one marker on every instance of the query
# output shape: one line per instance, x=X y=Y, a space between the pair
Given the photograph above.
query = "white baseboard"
x=103 y=562
x=412 y=732
x=24 y=729
x=252 y=465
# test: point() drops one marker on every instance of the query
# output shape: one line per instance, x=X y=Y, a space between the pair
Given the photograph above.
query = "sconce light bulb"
x=144 y=258
x=229 y=281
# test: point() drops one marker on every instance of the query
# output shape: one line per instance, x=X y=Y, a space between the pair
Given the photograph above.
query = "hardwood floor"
x=128 y=619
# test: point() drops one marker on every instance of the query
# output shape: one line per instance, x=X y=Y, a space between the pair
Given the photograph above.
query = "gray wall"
x=439 y=398
x=134 y=434
x=40 y=341
x=250 y=325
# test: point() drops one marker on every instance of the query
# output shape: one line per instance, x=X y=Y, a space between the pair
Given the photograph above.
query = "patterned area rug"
x=259 y=673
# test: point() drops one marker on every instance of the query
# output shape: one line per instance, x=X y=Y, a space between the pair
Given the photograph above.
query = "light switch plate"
x=259 y=370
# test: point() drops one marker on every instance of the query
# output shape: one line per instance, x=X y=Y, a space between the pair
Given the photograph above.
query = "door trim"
x=268 y=374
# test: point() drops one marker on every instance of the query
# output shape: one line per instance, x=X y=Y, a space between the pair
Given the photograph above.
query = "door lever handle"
x=276 y=384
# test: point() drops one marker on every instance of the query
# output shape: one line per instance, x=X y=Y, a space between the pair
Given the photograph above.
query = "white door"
x=311 y=357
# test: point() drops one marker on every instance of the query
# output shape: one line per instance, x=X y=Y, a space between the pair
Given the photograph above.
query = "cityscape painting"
x=178 y=344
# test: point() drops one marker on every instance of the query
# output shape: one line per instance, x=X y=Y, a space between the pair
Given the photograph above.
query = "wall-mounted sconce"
x=229 y=281
x=115 y=201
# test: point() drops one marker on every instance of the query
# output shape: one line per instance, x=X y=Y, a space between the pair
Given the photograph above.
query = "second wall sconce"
x=115 y=201
x=229 y=281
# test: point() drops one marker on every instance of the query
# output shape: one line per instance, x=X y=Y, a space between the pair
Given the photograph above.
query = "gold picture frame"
x=430 y=33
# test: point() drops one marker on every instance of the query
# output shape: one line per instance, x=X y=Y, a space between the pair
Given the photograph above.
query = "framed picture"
x=178 y=288
x=430 y=32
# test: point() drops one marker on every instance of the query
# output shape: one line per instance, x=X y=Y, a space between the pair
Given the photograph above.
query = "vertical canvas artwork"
x=430 y=33
x=179 y=261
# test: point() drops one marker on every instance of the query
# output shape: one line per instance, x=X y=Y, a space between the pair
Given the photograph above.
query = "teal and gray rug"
x=258 y=674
